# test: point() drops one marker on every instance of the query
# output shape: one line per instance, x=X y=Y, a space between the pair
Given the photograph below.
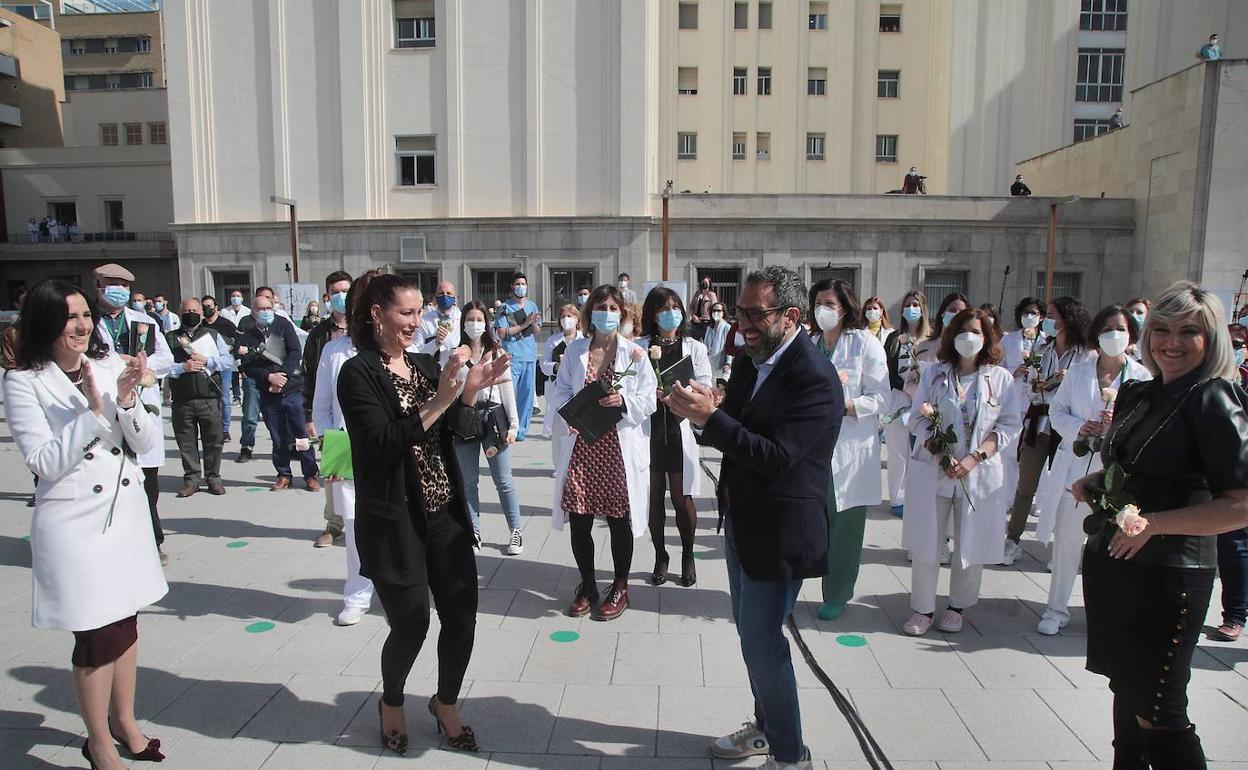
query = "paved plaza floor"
x=242 y=668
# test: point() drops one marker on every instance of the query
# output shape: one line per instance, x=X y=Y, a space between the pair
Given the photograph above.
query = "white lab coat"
x=327 y=414
x=160 y=363
x=856 y=476
x=639 y=403
x=1077 y=400
x=548 y=364
x=716 y=339
x=85 y=576
x=981 y=539
x=235 y=314
x=429 y=331
x=690 y=471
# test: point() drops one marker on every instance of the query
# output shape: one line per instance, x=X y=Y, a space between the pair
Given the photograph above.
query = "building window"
x=114 y=216
x=1086 y=128
x=814 y=147
x=762 y=145
x=416 y=160
x=109 y=135
x=739 y=77
x=565 y=281
x=144 y=80
x=415 y=33
x=740 y=15
x=764 y=15
x=688 y=13
x=1064 y=284
x=889 y=84
x=829 y=273
x=1107 y=15
x=890 y=18
x=687 y=81
x=143 y=45
x=818 y=17
x=489 y=285
x=112 y=82
x=110 y=46
x=764 y=81
x=938 y=284
x=738 y=145
x=1100 y=75
x=817 y=81
x=157 y=133
x=725 y=282
x=78 y=48
x=687 y=145
x=134 y=133
x=886 y=148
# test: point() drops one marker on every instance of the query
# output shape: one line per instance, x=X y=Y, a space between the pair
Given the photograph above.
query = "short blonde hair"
x=1184 y=300
x=572 y=309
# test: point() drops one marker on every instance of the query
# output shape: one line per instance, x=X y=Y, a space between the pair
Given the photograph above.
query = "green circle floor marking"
x=237 y=544
x=255 y=489
x=701 y=554
x=851 y=640
x=26 y=538
x=260 y=627
x=563 y=637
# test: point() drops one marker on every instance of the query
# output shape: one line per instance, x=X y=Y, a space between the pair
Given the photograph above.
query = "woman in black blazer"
x=412 y=527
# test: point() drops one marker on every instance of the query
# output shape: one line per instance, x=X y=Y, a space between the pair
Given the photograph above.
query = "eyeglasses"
x=754 y=314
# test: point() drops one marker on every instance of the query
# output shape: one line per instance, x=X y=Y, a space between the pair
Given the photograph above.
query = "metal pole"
x=294 y=242
x=1048 y=274
x=667 y=191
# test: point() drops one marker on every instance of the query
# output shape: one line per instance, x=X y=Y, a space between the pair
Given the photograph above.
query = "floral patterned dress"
x=595 y=483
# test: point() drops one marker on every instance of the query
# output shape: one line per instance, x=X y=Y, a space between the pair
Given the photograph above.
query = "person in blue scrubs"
x=519 y=338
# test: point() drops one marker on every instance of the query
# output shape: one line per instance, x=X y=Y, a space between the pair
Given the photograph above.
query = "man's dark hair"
x=518 y=275
x=583 y=288
x=269 y=289
x=207 y=297
x=622 y=275
x=789 y=289
x=336 y=276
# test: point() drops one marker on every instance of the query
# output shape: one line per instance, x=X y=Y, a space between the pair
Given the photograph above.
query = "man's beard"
x=772 y=339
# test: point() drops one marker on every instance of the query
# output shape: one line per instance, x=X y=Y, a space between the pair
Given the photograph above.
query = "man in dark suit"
x=777 y=427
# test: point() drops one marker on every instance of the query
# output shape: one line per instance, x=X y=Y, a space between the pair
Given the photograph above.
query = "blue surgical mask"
x=912 y=314
x=1239 y=357
x=520 y=290
x=265 y=317
x=337 y=302
x=1049 y=327
x=946 y=318
x=445 y=302
x=139 y=306
x=669 y=320
x=1243 y=320
x=236 y=301
x=581 y=299
x=160 y=306
x=606 y=320
x=116 y=296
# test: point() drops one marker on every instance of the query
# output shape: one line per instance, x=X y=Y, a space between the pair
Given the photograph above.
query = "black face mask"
x=209 y=312
x=191 y=320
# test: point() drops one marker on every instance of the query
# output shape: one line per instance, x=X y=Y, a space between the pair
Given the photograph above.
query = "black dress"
x=665 y=448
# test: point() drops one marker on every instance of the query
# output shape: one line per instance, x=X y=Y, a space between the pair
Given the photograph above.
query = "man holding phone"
x=517 y=325
x=439 y=327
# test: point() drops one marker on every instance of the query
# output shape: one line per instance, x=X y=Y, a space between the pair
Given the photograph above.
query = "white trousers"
x=963 y=583
x=1066 y=554
x=897 y=438
x=358 y=590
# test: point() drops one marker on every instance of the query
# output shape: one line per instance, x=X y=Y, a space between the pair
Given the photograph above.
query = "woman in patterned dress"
x=610 y=477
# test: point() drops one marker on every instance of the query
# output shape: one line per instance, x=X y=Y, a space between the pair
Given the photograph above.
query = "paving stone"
x=661 y=659
x=1006 y=662
x=917 y=724
x=588 y=660
x=513 y=717
x=1015 y=725
x=615 y=720
x=308 y=756
x=925 y=662
x=310 y=708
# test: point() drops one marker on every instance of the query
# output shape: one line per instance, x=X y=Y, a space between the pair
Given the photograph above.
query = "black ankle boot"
x=1174 y=749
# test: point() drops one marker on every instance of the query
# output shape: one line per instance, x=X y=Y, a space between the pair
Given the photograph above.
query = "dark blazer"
x=258 y=368
x=317 y=339
x=778 y=461
x=391 y=524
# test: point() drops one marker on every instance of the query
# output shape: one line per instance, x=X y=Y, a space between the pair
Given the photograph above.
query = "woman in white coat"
x=903 y=378
x=977 y=399
x=556 y=348
x=1082 y=408
x=1016 y=348
x=716 y=341
x=77 y=419
x=837 y=324
x=610 y=477
x=673 y=449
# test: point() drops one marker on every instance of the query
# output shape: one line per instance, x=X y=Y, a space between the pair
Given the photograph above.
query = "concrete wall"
x=1091 y=168
x=39 y=86
x=84 y=111
x=78 y=26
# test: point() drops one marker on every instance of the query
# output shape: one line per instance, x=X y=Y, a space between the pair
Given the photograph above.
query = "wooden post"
x=1048 y=273
x=294 y=242
x=667 y=193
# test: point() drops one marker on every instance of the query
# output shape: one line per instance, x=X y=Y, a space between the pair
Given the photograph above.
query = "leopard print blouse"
x=430 y=464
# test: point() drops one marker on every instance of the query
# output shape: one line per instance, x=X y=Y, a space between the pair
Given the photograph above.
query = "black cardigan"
x=391 y=524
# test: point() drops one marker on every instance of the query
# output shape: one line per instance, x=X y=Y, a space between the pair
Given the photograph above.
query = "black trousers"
x=151 y=485
x=583 y=545
x=196 y=420
x=452 y=574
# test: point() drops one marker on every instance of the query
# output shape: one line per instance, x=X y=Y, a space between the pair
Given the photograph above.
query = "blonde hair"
x=1184 y=300
x=569 y=308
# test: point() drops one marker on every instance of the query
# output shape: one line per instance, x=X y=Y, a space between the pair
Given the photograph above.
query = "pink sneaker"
x=917 y=625
x=950 y=622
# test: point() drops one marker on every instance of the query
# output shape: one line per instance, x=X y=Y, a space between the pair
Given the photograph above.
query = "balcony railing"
x=111 y=236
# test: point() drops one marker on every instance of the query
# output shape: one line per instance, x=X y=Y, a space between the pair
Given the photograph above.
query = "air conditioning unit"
x=412 y=249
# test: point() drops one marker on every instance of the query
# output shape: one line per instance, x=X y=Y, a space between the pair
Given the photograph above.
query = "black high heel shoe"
x=688 y=570
x=86 y=754
x=394 y=740
x=659 y=576
x=465 y=741
x=151 y=753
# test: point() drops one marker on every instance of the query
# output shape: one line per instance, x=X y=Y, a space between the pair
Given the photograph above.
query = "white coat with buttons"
x=160 y=362
x=87 y=573
x=691 y=471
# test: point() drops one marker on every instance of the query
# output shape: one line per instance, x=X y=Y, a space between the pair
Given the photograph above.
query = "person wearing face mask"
x=556 y=349
x=630 y=322
x=582 y=296
x=229 y=332
x=201 y=362
x=138 y=302
x=439 y=327
x=976 y=398
x=1016 y=347
x=950 y=306
x=517 y=324
x=716 y=341
x=311 y=317
x=875 y=316
x=1065 y=328
x=128 y=332
x=903 y=379
x=609 y=478
x=836 y=324
x=168 y=320
x=235 y=311
x=630 y=296
x=673 y=449
x=1080 y=410
x=700 y=307
x=1138 y=308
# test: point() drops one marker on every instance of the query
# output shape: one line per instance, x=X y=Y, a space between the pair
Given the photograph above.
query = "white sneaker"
x=476 y=542
x=1012 y=551
x=1049 y=626
x=802 y=764
x=350 y=616
x=515 y=546
x=749 y=741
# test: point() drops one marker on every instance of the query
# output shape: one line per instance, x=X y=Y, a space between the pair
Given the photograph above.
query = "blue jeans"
x=524 y=378
x=469 y=455
x=251 y=413
x=227 y=408
x=759 y=608
x=283 y=416
x=1233 y=569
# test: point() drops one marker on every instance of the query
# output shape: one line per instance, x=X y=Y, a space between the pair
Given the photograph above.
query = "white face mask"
x=968 y=344
x=626 y=328
x=874 y=315
x=474 y=329
x=1114 y=343
x=1030 y=320
x=568 y=323
x=717 y=317
x=827 y=318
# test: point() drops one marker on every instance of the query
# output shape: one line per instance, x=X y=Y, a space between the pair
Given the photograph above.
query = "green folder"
x=336 y=454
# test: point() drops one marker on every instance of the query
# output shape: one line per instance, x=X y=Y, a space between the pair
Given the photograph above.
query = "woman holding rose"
x=1081 y=412
x=1182 y=441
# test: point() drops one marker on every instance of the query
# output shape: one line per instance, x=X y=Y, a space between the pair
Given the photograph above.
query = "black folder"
x=519 y=317
x=586 y=416
x=681 y=371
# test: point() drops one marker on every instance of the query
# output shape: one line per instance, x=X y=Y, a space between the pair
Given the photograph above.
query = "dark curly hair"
x=1075 y=321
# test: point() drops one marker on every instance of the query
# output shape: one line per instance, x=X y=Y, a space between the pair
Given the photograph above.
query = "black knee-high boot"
x=1128 y=738
x=1174 y=749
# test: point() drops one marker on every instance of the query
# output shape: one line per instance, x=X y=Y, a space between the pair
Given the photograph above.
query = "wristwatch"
x=979 y=455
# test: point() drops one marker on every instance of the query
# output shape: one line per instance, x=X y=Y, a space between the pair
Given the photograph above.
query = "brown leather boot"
x=616 y=603
x=583 y=602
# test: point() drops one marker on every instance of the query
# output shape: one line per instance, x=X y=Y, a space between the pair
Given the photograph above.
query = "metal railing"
x=110 y=236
